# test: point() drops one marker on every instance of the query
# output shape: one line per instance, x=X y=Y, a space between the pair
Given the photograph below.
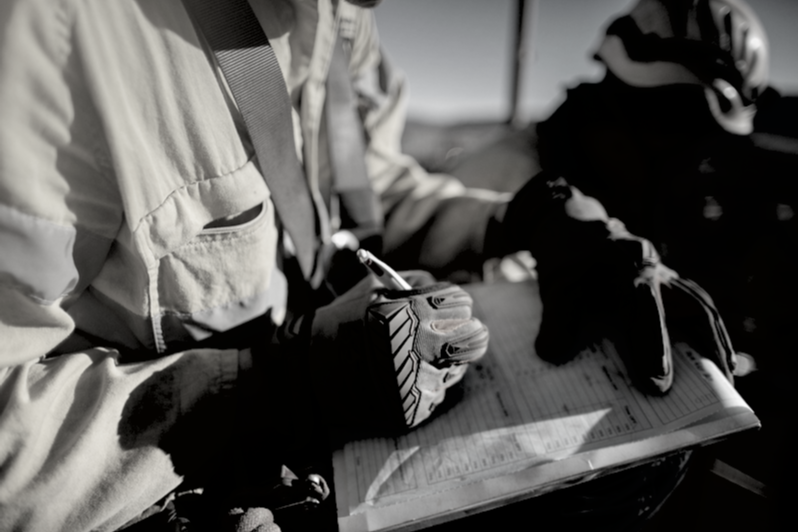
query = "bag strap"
x=359 y=209
x=254 y=76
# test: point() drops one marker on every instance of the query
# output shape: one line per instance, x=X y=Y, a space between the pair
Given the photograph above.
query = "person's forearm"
x=97 y=442
x=453 y=236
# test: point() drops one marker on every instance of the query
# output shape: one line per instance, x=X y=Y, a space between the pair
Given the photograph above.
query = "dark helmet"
x=718 y=44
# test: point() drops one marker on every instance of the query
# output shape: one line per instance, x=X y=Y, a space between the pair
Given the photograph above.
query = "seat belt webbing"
x=256 y=82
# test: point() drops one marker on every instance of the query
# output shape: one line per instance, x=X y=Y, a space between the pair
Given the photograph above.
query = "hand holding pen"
x=384 y=273
x=389 y=356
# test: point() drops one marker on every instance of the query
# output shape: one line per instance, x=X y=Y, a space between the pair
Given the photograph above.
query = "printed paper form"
x=516 y=411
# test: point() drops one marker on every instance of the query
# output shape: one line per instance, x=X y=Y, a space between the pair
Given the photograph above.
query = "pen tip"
x=362 y=255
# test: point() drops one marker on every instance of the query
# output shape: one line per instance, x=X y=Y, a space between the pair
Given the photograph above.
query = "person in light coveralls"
x=162 y=328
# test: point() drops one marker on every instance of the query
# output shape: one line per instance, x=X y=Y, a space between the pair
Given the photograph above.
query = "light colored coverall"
x=133 y=216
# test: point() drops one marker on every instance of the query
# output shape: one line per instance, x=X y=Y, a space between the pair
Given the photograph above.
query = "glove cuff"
x=516 y=226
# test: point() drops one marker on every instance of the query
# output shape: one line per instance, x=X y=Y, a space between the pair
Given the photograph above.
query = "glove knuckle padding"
x=384 y=359
x=427 y=331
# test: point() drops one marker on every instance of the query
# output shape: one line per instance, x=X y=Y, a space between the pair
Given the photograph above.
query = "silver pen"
x=385 y=274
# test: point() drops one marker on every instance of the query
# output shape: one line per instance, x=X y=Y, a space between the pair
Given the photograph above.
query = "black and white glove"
x=382 y=360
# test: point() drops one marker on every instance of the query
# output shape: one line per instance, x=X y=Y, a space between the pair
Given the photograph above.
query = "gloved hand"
x=597 y=281
x=382 y=360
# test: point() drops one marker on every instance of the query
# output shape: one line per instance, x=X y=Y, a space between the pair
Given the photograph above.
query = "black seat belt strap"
x=256 y=82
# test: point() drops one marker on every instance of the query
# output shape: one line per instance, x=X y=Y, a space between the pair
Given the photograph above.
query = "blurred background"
x=458 y=54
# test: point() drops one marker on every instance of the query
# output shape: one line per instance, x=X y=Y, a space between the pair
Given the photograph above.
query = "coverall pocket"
x=235 y=222
x=223 y=277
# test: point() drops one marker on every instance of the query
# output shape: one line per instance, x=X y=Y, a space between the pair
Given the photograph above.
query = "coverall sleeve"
x=432 y=220
x=82 y=437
